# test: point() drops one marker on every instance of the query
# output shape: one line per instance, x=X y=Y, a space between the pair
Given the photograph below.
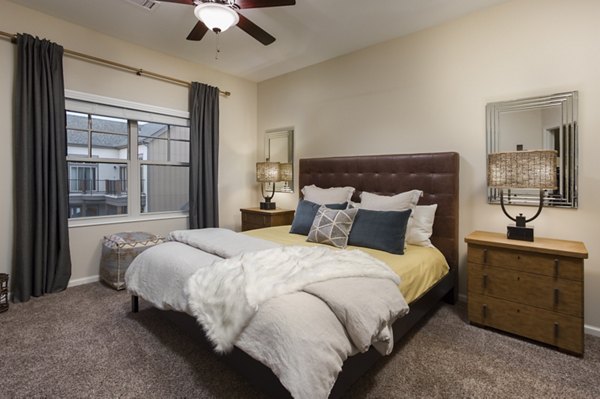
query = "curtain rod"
x=116 y=65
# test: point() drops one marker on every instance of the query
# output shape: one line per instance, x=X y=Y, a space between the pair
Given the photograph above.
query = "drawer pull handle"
x=555 y=267
x=555 y=329
x=556 y=297
x=485 y=256
x=485 y=279
x=484 y=311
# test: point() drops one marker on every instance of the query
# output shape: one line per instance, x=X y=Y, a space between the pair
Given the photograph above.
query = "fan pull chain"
x=217 y=50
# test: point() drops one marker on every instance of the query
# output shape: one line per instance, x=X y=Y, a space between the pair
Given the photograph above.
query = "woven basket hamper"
x=119 y=250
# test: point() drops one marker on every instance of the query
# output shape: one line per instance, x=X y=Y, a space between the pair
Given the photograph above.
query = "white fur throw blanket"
x=225 y=296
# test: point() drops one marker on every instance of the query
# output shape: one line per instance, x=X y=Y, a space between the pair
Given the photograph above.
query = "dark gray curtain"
x=204 y=156
x=42 y=260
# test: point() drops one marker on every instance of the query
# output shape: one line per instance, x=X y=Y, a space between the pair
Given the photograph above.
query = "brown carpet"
x=84 y=342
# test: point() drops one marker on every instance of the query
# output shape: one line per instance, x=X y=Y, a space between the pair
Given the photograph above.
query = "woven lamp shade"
x=522 y=169
x=267 y=172
x=286 y=172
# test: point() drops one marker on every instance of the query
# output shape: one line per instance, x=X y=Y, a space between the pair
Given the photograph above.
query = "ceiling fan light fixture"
x=217 y=17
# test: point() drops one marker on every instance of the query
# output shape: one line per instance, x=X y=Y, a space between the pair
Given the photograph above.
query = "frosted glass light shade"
x=217 y=17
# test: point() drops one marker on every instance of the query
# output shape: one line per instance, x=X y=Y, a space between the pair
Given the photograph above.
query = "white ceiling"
x=310 y=32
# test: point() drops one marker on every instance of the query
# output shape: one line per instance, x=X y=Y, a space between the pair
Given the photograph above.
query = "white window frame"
x=106 y=106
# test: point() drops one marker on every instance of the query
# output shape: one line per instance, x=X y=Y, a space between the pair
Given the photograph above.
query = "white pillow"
x=420 y=225
x=398 y=202
x=353 y=204
x=322 y=196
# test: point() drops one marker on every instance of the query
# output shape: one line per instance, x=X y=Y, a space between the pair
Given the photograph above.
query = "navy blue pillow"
x=305 y=214
x=384 y=230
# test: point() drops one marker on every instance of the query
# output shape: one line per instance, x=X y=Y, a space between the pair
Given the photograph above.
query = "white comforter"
x=220 y=242
x=226 y=296
x=159 y=275
x=302 y=325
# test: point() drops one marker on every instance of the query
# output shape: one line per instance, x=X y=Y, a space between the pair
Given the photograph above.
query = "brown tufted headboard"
x=436 y=174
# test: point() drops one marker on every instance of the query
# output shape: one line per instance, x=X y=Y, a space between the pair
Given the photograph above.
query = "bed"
x=436 y=174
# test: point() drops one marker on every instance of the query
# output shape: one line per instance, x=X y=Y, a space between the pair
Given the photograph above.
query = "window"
x=164 y=168
x=105 y=166
x=82 y=178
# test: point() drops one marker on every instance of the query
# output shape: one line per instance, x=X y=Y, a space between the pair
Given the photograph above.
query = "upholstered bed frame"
x=437 y=175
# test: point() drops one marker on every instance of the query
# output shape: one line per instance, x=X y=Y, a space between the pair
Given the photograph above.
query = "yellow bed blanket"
x=419 y=268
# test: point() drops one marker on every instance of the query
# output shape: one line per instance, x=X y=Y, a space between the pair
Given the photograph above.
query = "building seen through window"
x=101 y=164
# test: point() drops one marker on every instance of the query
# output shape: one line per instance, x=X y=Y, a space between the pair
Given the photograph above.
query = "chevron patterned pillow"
x=332 y=226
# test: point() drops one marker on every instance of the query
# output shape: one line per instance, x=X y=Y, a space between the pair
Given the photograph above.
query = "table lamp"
x=534 y=169
x=267 y=172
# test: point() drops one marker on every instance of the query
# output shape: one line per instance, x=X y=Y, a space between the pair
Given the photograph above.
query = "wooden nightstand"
x=256 y=218
x=532 y=289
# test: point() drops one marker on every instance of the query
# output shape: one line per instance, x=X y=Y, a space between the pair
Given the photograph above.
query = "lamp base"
x=519 y=233
x=267 y=205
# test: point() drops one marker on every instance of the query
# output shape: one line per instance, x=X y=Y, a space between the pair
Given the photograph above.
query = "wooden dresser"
x=256 y=218
x=532 y=289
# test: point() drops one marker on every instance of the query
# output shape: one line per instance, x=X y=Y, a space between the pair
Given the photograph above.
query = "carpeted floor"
x=84 y=342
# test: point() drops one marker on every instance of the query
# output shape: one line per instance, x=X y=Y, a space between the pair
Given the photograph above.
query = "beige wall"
x=238 y=115
x=428 y=91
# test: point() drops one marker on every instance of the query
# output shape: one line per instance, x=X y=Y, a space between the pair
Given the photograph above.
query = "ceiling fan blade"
x=189 y=2
x=198 y=32
x=264 y=3
x=255 y=31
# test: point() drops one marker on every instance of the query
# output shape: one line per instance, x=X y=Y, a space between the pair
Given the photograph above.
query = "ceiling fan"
x=220 y=15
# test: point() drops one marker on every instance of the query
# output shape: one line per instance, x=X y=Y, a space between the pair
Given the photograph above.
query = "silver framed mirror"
x=279 y=147
x=545 y=122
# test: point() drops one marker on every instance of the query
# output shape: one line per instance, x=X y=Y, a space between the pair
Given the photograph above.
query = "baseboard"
x=73 y=283
x=587 y=329
x=83 y=280
x=591 y=330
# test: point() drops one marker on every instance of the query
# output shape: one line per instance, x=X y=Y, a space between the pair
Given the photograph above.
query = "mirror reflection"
x=279 y=147
x=546 y=122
